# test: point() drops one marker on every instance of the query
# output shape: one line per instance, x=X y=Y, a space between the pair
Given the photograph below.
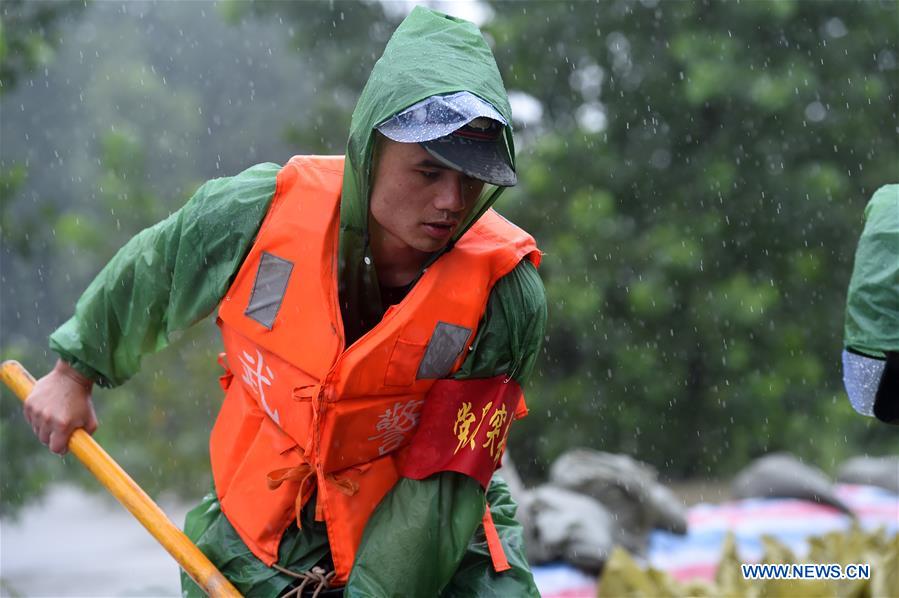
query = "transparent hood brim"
x=861 y=377
x=437 y=116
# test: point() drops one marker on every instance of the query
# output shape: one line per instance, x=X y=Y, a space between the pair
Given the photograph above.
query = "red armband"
x=463 y=428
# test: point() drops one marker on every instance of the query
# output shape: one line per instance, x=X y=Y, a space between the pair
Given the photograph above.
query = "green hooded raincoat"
x=425 y=537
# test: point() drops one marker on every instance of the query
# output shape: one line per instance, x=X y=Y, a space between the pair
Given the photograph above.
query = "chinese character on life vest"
x=252 y=375
x=395 y=423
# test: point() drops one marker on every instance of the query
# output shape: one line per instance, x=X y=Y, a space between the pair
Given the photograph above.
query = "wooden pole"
x=127 y=492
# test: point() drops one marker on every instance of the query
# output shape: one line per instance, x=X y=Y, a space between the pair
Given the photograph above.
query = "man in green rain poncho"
x=430 y=148
x=871 y=337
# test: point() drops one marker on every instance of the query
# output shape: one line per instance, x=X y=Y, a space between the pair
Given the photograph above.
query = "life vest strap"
x=226 y=378
x=305 y=475
x=497 y=554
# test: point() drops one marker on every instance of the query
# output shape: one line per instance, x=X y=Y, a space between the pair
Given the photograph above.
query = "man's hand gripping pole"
x=127 y=492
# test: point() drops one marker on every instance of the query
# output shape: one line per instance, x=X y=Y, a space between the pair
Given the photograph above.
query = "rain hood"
x=429 y=54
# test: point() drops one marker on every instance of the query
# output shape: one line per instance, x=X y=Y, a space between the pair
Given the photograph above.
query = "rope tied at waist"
x=315 y=575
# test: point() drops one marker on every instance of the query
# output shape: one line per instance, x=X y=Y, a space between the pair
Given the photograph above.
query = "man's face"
x=416 y=202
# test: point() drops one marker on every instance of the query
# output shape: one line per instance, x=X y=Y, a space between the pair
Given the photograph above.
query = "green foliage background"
x=699 y=246
x=696 y=177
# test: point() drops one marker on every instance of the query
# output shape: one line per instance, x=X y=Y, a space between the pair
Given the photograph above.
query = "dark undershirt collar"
x=393 y=295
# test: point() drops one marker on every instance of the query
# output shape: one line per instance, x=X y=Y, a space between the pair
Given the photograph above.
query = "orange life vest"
x=301 y=411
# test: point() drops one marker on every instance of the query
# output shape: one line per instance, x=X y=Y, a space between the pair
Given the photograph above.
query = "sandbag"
x=568 y=526
x=873 y=471
x=627 y=488
x=781 y=475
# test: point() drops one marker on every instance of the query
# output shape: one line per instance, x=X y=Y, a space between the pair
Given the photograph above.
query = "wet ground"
x=74 y=543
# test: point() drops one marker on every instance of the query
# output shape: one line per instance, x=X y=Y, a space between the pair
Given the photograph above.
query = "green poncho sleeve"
x=165 y=278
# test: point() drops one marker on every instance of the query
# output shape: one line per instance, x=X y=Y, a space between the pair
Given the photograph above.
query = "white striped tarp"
x=695 y=555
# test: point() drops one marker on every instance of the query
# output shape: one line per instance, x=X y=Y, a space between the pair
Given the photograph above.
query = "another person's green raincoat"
x=871 y=337
x=425 y=537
